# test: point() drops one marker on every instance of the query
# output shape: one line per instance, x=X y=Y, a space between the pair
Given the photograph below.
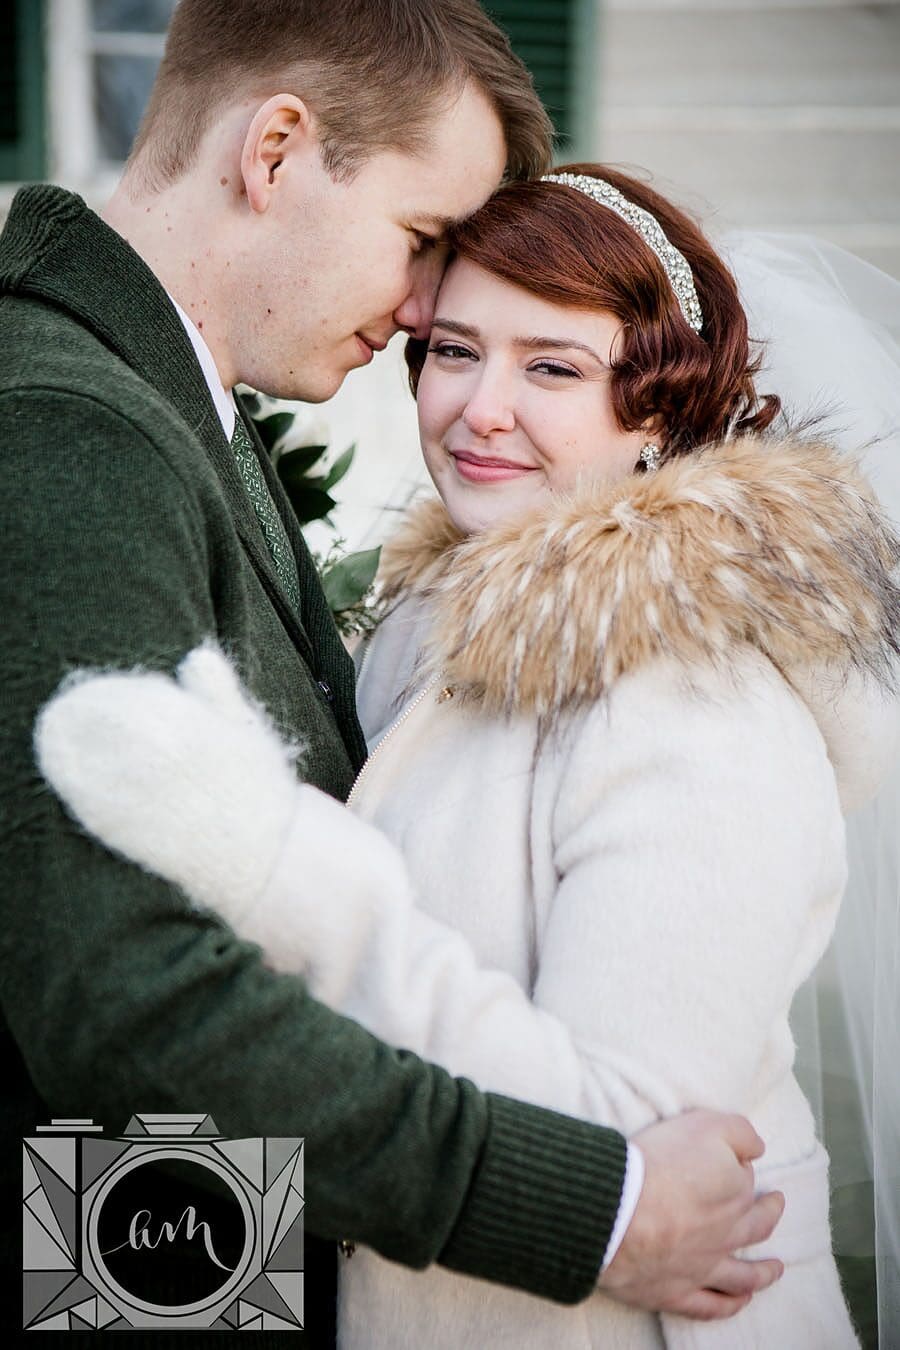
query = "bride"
x=634 y=667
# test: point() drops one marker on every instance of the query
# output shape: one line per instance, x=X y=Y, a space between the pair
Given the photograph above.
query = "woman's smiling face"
x=514 y=399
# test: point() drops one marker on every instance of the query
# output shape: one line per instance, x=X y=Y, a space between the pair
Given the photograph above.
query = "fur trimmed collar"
x=776 y=544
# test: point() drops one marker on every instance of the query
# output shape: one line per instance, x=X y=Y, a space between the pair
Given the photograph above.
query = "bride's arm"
x=687 y=846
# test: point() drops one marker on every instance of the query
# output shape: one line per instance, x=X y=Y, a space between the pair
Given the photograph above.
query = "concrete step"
x=876 y=244
x=735 y=6
x=783 y=176
x=846 y=55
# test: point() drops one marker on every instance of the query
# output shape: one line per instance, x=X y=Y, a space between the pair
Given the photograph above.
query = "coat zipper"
x=407 y=712
x=364 y=658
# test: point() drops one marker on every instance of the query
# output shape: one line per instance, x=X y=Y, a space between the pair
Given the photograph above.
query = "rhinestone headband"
x=675 y=264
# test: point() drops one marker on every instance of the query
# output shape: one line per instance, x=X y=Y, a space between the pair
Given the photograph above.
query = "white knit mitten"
x=185 y=776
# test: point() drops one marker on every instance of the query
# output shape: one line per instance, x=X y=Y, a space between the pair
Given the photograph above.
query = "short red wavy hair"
x=558 y=244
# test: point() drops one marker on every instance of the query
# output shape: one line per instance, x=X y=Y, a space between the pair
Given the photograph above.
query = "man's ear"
x=278 y=127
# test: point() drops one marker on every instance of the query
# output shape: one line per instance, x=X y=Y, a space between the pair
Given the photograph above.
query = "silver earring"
x=649 y=457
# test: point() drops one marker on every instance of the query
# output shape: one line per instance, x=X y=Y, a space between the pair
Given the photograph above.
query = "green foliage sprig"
x=347 y=578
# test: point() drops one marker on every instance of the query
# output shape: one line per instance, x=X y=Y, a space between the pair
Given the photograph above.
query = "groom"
x=279 y=220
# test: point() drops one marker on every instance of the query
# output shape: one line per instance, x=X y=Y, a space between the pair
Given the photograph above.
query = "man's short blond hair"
x=374 y=72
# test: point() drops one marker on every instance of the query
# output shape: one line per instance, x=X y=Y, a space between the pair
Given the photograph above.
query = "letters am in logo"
x=170 y=1226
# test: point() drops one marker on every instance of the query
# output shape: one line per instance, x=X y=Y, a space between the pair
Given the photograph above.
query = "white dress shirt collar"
x=222 y=398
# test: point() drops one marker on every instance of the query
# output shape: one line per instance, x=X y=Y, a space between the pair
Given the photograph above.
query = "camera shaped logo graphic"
x=170 y=1225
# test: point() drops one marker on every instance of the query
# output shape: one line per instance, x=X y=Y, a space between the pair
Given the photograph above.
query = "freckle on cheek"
x=223 y=182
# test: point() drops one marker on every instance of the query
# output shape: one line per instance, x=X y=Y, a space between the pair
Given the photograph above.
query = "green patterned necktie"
x=270 y=521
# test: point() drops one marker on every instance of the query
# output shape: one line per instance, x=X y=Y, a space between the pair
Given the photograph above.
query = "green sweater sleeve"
x=122 y=999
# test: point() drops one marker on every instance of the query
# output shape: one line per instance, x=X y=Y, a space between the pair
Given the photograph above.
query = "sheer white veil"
x=831 y=325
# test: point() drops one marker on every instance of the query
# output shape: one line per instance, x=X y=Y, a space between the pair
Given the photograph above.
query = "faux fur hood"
x=779 y=545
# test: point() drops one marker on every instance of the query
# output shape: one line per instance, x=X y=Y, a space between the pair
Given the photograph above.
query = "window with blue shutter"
x=21 y=90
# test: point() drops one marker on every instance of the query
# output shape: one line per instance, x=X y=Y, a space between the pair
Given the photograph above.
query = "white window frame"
x=75 y=159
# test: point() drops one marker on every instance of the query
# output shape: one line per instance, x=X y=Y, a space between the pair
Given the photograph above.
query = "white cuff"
x=631 y=1194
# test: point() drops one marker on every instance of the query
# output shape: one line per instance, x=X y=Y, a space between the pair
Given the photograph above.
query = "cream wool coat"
x=609 y=843
x=616 y=777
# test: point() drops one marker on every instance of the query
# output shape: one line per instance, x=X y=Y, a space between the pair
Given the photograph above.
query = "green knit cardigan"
x=129 y=538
